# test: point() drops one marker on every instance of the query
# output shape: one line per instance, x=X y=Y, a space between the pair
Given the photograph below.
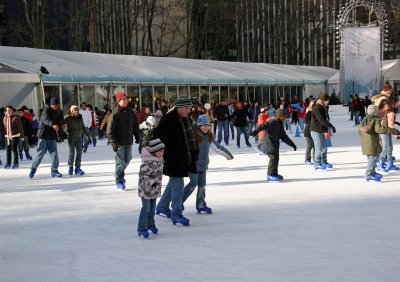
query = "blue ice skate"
x=153 y=229
x=180 y=219
x=143 y=232
x=204 y=209
x=166 y=213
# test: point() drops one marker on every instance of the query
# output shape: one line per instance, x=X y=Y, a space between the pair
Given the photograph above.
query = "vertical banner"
x=362 y=62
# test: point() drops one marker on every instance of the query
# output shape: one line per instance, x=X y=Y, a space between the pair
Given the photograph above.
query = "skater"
x=307 y=134
x=149 y=188
x=241 y=116
x=13 y=132
x=221 y=112
x=104 y=123
x=23 y=144
x=51 y=121
x=253 y=114
x=319 y=126
x=369 y=131
x=175 y=130
x=205 y=140
x=121 y=128
x=146 y=132
x=75 y=126
x=87 y=121
x=274 y=131
x=387 y=109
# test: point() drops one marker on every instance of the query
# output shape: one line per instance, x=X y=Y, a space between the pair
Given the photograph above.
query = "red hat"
x=119 y=96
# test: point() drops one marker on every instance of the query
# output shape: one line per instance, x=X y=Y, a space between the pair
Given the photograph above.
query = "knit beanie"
x=156 y=145
x=183 y=101
x=71 y=109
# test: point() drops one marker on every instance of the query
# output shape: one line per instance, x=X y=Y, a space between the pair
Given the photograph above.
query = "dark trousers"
x=273 y=164
x=309 y=149
x=12 y=147
x=75 y=145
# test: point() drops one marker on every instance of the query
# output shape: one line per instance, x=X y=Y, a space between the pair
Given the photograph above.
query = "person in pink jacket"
x=387 y=109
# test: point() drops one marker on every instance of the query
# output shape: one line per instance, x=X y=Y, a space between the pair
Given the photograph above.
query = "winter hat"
x=119 y=96
x=71 y=109
x=202 y=120
x=151 y=120
x=54 y=101
x=262 y=110
x=280 y=113
x=372 y=110
x=156 y=145
x=324 y=97
x=207 y=106
x=183 y=101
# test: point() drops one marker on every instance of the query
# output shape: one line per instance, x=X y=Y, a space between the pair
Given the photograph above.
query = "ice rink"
x=314 y=226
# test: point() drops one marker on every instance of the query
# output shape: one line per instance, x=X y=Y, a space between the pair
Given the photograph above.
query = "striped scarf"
x=190 y=141
x=8 y=128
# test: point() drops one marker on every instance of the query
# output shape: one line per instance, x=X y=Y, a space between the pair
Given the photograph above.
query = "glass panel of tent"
x=69 y=93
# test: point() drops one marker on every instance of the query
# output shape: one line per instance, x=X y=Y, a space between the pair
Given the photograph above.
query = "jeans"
x=122 y=158
x=223 y=125
x=12 y=147
x=357 y=117
x=173 y=194
x=387 y=147
x=288 y=125
x=196 y=180
x=44 y=146
x=273 y=164
x=85 y=139
x=239 y=131
x=231 y=127
x=372 y=160
x=75 y=144
x=321 y=148
x=146 y=216
x=24 y=146
x=310 y=148
x=301 y=123
x=93 y=132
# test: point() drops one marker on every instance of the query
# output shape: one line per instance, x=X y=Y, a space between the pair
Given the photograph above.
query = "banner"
x=362 y=63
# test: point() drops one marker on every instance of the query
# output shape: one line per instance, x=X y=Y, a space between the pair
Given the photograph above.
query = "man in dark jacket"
x=51 y=121
x=274 y=131
x=121 y=128
x=221 y=113
x=318 y=127
x=176 y=132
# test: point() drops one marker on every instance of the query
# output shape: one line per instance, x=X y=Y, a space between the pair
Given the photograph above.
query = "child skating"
x=205 y=140
x=274 y=131
x=150 y=181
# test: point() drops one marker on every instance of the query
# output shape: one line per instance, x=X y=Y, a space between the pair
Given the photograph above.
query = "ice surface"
x=314 y=226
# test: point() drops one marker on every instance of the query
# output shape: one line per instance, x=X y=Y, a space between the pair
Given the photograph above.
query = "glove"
x=114 y=147
x=90 y=141
x=253 y=133
x=294 y=148
x=333 y=130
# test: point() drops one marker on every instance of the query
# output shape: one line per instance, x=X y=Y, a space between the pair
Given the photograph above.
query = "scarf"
x=190 y=141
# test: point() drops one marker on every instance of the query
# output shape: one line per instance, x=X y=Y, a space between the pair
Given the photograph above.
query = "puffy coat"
x=74 y=127
x=370 y=140
x=150 y=175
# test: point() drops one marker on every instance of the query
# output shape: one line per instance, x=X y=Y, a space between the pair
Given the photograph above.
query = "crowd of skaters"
x=175 y=142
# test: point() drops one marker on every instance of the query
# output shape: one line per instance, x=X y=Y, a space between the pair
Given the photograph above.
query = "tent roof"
x=390 y=71
x=83 y=67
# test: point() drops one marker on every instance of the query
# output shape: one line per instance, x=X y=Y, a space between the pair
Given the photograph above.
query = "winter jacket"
x=221 y=112
x=170 y=132
x=307 y=121
x=379 y=97
x=122 y=126
x=49 y=118
x=319 y=121
x=241 y=116
x=253 y=114
x=104 y=122
x=17 y=129
x=274 y=131
x=370 y=140
x=75 y=126
x=262 y=117
x=204 y=150
x=26 y=125
x=150 y=175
